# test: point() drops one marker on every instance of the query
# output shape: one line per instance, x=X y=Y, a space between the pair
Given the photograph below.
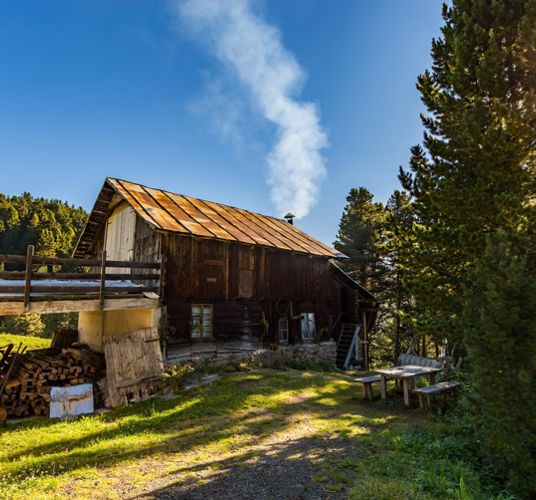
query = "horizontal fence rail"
x=97 y=283
x=57 y=261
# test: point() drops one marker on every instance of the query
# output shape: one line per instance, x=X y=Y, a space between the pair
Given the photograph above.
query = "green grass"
x=395 y=453
x=30 y=342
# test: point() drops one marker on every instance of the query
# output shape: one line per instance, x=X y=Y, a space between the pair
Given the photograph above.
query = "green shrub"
x=26 y=324
x=175 y=376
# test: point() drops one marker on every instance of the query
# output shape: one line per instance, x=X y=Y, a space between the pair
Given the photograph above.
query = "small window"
x=308 y=328
x=283 y=330
x=202 y=321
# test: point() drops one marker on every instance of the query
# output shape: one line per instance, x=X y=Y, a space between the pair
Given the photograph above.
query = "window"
x=308 y=328
x=201 y=321
x=283 y=330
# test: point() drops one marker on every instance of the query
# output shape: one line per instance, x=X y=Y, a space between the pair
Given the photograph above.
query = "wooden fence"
x=68 y=286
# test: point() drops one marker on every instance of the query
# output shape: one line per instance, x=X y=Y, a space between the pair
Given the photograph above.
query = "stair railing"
x=355 y=341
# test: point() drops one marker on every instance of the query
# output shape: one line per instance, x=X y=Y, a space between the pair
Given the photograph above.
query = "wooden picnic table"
x=407 y=374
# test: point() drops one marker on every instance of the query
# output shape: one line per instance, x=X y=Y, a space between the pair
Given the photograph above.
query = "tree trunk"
x=397 y=317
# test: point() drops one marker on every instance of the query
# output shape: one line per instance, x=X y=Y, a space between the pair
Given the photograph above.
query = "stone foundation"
x=291 y=356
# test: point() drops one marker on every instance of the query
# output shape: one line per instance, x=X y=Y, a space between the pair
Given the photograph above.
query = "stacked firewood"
x=27 y=391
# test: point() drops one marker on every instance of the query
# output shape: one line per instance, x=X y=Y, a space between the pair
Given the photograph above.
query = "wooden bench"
x=430 y=391
x=412 y=359
x=367 y=385
x=403 y=360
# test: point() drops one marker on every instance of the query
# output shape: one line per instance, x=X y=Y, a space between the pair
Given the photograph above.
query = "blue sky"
x=98 y=88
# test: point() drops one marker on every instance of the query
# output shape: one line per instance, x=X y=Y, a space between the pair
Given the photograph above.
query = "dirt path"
x=279 y=469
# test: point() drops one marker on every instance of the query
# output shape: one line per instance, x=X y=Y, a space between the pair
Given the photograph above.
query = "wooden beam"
x=20 y=275
x=28 y=277
x=55 y=289
x=61 y=306
x=60 y=261
x=102 y=279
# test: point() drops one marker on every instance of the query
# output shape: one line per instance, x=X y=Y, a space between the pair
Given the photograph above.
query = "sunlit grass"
x=212 y=427
x=29 y=342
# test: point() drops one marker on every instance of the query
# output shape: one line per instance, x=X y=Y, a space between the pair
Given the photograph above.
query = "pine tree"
x=372 y=236
x=475 y=172
x=27 y=324
x=52 y=227
x=500 y=335
x=359 y=237
x=397 y=298
x=470 y=254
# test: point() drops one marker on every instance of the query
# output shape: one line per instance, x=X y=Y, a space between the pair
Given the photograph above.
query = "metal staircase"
x=348 y=339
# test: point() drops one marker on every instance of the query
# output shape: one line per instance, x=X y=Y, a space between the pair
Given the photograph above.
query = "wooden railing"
x=67 y=285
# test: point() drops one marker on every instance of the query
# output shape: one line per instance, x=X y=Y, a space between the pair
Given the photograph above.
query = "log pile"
x=27 y=390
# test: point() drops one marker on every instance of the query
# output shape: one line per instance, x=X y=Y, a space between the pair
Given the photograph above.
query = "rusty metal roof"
x=176 y=213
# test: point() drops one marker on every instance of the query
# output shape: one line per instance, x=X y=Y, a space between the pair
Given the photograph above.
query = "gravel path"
x=279 y=470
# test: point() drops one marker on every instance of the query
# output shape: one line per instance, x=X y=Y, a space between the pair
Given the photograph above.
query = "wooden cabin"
x=229 y=277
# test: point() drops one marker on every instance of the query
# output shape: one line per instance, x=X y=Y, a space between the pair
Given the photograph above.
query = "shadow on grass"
x=279 y=470
x=240 y=404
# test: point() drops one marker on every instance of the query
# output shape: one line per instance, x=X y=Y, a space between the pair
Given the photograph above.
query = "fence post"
x=28 y=277
x=102 y=279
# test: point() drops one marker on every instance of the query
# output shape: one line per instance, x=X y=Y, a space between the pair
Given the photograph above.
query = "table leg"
x=406 y=382
x=383 y=386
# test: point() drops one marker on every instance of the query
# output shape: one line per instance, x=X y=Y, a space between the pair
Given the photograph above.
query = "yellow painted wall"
x=92 y=325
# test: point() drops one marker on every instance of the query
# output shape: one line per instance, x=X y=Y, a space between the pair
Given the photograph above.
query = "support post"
x=365 y=340
x=383 y=386
x=406 y=385
x=102 y=279
x=28 y=277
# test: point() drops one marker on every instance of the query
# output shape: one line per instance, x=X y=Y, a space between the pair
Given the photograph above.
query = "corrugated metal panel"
x=191 y=216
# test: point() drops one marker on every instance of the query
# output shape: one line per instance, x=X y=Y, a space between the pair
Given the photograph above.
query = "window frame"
x=202 y=308
x=279 y=330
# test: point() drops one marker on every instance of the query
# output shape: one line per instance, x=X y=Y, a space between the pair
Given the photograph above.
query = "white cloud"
x=252 y=50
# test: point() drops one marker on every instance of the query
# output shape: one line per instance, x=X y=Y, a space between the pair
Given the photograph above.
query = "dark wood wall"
x=232 y=276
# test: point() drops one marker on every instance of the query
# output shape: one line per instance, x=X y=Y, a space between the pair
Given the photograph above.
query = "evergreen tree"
x=372 y=235
x=397 y=298
x=500 y=335
x=476 y=169
x=27 y=324
x=53 y=228
x=359 y=237
x=470 y=254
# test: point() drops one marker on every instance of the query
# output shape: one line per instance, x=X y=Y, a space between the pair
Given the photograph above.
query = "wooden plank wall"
x=133 y=365
x=147 y=247
x=120 y=236
x=232 y=275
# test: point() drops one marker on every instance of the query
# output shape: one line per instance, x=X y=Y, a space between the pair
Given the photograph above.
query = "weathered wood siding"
x=120 y=235
x=232 y=276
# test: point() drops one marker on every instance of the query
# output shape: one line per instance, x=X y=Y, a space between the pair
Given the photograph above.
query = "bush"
x=175 y=376
x=27 y=324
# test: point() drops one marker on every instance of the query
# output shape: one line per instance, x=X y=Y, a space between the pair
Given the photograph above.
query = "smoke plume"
x=252 y=50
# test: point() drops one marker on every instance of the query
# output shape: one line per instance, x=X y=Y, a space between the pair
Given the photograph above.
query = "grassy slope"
x=30 y=342
x=95 y=456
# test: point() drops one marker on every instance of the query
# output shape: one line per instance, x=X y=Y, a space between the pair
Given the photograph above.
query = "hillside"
x=53 y=227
